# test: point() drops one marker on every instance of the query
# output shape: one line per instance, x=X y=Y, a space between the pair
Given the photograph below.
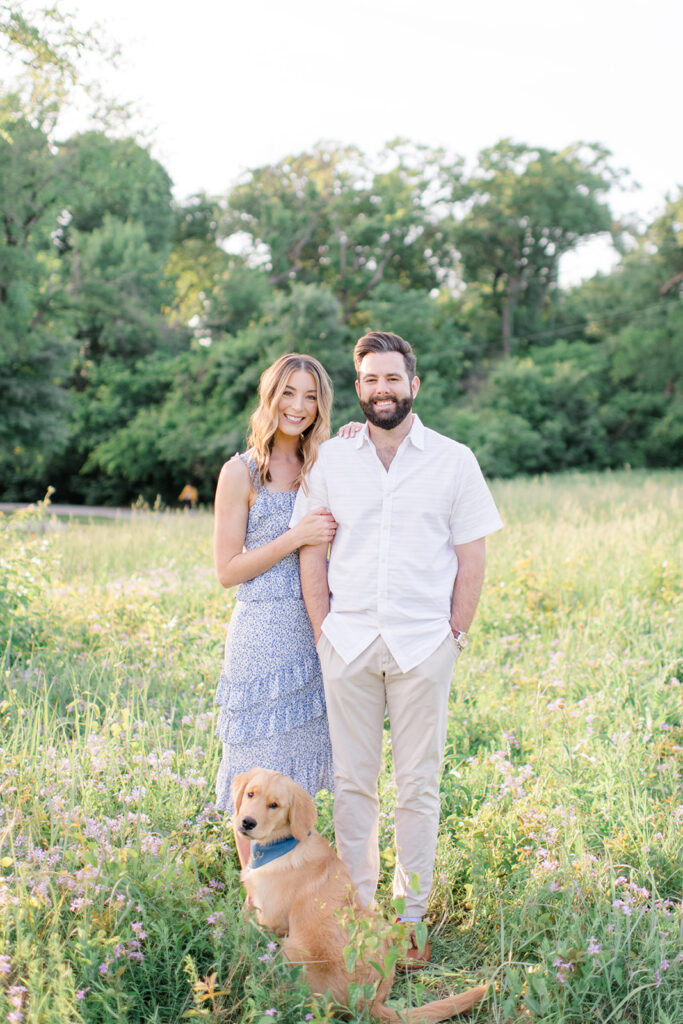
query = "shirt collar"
x=416 y=434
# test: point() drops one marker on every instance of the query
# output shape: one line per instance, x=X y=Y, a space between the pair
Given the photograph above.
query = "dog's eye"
x=273 y=805
x=250 y=796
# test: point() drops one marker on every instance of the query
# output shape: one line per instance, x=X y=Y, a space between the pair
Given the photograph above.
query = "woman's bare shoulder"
x=234 y=479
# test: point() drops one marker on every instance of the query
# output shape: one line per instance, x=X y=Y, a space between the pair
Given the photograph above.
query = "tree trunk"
x=512 y=294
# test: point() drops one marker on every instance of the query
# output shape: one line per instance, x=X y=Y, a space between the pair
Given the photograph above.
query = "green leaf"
x=421 y=934
x=350 y=958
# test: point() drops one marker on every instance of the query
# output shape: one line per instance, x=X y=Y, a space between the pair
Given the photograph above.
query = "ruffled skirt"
x=271 y=697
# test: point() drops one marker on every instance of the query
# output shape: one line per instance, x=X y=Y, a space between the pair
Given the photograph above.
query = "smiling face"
x=384 y=390
x=298 y=405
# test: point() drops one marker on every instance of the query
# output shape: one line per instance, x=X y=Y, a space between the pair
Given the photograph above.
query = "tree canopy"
x=133 y=328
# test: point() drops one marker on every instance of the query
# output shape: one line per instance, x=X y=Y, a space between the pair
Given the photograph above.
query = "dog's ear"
x=239 y=784
x=302 y=812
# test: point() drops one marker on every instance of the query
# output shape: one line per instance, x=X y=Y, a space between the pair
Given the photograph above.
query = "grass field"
x=560 y=864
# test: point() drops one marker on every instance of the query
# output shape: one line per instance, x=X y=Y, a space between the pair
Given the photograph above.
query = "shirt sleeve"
x=316 y=496
x=473 y=513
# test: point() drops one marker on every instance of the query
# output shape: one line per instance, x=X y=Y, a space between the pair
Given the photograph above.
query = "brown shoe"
x=415 y=959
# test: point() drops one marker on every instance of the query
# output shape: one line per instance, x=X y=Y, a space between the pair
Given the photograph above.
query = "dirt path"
x=89 y=511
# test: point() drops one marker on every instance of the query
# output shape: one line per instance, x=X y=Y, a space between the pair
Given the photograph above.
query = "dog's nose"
x=248 y=823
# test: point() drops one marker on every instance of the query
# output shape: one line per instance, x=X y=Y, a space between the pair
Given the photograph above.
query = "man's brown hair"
x=382 y=341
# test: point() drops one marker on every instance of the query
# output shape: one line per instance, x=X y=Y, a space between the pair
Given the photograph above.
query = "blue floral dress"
x=270 y=691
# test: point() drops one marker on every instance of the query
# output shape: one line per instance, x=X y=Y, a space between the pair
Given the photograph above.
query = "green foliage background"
x=134 y=328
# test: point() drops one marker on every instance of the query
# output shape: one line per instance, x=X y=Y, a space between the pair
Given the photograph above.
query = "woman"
x=270 y=690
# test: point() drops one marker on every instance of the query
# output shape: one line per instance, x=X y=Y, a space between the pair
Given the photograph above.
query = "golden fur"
x=301 y=895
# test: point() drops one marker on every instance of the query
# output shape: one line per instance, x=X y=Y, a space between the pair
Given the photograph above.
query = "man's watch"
x=460 y=638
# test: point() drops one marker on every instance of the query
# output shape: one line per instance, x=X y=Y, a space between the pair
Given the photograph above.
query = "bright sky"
x=223 y=87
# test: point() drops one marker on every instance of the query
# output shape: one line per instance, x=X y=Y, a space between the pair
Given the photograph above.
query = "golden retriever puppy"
x=300 y=890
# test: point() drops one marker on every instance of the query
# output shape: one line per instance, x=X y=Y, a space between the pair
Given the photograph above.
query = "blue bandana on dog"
x=263 y=853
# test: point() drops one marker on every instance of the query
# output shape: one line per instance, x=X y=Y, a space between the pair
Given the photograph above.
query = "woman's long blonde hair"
x=264 y=420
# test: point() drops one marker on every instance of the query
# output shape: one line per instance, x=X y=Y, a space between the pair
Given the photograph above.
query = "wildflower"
x=151 y=844
x=309 y=1016
x=511 y=739
x=272 y=946
x=266 y=958
x=103 y=968
x=81 y=993
x=270 y=1013
x=594 y=947
x=5 y=964
x=564 y=970
x=16 y=994
x=139 y=929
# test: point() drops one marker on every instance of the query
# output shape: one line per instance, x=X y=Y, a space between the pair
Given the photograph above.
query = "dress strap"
x=253 y=470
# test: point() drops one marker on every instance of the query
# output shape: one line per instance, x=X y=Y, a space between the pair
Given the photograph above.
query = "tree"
x=104 y=177
x=35 y=346
x=48 y=50
x=335 y=217
x=215 y=292
x=119 y=286
x=527 y=208
x=201 y=417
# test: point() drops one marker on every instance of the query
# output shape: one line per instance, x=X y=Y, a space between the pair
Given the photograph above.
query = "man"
x=391 y=614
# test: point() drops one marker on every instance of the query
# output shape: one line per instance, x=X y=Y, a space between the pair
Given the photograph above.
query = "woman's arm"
x=231 y=513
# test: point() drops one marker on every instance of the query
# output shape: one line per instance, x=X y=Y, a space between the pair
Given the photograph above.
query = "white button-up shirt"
x=393 y=563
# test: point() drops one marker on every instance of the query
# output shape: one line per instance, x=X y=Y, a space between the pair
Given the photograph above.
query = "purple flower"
x=103 y=968
x=16 y=995
x=270 y=1013
x=594 y=947
x=564 y=970
x=82 y=993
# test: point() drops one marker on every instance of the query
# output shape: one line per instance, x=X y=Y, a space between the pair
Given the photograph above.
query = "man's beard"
x=389 y=418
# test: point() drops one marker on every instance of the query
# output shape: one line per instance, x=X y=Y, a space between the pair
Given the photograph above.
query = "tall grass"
x=560 y=863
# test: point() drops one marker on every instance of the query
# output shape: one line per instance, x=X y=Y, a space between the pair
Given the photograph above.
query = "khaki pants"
x=417 y=705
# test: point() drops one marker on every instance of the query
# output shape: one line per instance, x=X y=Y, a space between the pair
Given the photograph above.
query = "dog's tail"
x=440 y=1009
